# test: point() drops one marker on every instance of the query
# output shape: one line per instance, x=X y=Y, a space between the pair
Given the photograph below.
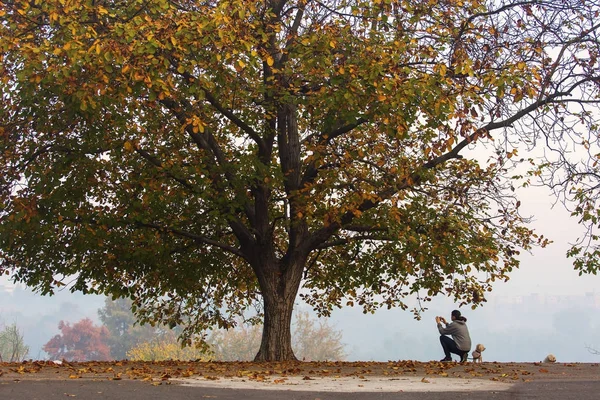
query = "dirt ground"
x=158 y=373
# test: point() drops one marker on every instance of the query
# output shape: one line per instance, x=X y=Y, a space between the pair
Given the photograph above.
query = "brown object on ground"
x=163 y=372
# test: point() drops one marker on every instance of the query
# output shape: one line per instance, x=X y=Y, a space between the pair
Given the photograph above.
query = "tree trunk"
x=276 y=343
x=279 y=289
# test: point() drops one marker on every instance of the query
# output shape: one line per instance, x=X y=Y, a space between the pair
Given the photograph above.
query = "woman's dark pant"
x=449 y=346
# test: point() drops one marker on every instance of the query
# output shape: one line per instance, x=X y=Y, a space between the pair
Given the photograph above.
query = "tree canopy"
x=202 y=156
x=82 y=341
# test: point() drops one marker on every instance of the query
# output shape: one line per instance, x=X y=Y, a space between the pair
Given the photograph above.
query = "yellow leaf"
x=332 y=44
x=270 y=61
x=128 y=146
x=241 y=63
x=442 y=69
x=174 y=41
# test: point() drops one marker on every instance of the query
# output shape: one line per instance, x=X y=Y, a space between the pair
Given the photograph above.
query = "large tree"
x=200 y=156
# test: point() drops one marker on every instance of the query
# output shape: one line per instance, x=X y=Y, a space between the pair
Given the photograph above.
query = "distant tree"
x=12 y=345
x=312 y=340
x=165 y=347
x=82 y=341
x=124 y=333
x=316 y=340
x=236 y=344
x=593 y=350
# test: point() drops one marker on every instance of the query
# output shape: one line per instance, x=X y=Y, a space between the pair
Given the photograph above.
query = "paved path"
x=404 y=380
x=555 y=389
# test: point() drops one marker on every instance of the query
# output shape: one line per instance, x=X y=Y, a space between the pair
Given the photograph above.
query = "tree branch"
x=207 y=142
x=156 y=162
x=311 y=170
x=322 y=235
x=235 y=119
x=341 y=242
x=197 y=238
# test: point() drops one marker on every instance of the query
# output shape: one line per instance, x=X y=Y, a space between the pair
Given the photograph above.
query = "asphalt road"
x=135 y=390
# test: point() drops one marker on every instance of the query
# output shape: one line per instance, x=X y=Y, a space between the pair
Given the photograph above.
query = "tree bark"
x=276 y=343
x=279 y=290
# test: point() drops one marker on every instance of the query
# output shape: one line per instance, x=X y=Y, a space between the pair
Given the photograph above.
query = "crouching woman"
x=460 y=343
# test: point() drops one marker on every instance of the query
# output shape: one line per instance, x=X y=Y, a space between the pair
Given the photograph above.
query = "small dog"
x=477 y=357
x=550 y=358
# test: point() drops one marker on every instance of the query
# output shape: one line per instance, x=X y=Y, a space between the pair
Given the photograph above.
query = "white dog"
x=477 y=357
x=550 y=358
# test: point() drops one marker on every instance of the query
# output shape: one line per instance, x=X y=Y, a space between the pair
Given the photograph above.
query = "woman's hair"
x=457 y=316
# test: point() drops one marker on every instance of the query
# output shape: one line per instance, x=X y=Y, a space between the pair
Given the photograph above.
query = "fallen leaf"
x=307 y=378
x=425 y=380
x=544 y=370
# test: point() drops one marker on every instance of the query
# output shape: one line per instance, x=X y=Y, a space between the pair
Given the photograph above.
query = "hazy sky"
x=524 y=332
